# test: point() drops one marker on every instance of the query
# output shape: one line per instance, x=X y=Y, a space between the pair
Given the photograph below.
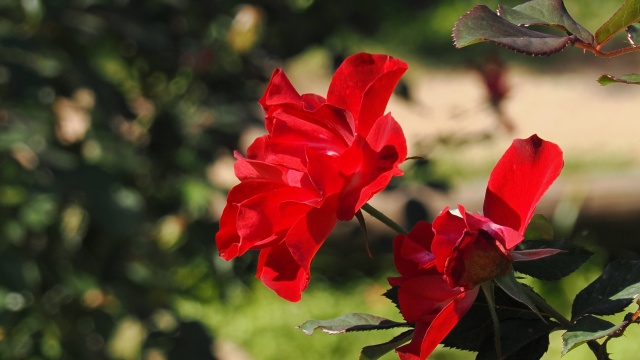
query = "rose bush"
x=320 y=162
x=442 y=264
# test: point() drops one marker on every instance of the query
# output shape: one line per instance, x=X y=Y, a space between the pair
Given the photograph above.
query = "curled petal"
x=368 y=165
x=228 y=240
x=519 y=179
x=363 y=85
x=505 y=237
x=448 y=230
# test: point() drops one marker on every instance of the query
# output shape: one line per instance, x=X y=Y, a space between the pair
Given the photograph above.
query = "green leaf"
x=350 y=322
x=539 y=229
x=610 y=293
x=633 y=79
x=633 y=34
x=586 y=329
x=546 y=12
x=511 y=286
x=474 y=332
x=482 y=24
x=521 y=339
x=552 y=267
x=628 y=14
x=374 y=352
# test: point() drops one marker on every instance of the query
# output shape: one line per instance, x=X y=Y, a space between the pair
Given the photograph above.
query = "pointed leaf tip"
x=586 y=329
x=632 y=79
x=348 y=323
x=610 y=293
x=374 y=352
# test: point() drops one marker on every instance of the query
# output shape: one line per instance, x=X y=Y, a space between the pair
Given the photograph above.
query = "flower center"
x=476 y=259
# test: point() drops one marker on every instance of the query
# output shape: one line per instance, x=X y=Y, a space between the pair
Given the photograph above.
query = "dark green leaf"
x=633 y=34
x=628 y=14
x=633 y=79
x=611 y=293
x=392 y=294
x=520 y=340
x=539 y=229
x=511 y=286
x=350 y=322
x=474 y=332
x=374 y=352
x=585 y=329
x=546 y=12
x=552 y=267
x=482 y=24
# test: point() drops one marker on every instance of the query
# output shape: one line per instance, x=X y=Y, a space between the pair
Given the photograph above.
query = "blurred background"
x=118 y=120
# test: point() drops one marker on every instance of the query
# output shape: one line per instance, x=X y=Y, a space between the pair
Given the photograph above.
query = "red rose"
x=441 y=265
x=320 y=162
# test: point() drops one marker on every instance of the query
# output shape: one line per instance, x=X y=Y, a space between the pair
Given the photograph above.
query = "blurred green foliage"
x=114 y=119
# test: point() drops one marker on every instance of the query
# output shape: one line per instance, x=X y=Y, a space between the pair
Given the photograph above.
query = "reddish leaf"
x=482 y=24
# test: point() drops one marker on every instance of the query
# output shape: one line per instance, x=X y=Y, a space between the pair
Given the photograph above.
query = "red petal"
x=506 y=237
x=363 y=85
x=519 y=179
x=449 y=230
x=228 y=240
x=269 y=213
x=368 y=165
x=446 y=321
x=423 y=297
x=284 y=267
x=279 y=91
x=279 y=271
x=412 y=252
x=435 y=308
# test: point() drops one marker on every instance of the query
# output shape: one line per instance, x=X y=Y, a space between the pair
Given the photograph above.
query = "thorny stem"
x=384 y=219
x=606 y=54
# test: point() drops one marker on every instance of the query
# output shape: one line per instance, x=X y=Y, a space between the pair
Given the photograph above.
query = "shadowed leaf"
x=539 y=229
x=628 y=14
x=474 y=332
x=553 y=267
x=374 y=352
x=585 y=329
x=511 y=286
x=633 y=79
x=482 y=24
x=611 y=293
x=546 y=12
x=521 y=340
x=350 y=322
x=633 y=34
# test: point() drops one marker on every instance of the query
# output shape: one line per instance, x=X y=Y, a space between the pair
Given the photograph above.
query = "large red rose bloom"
x=442 y=264
x=321 y=160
